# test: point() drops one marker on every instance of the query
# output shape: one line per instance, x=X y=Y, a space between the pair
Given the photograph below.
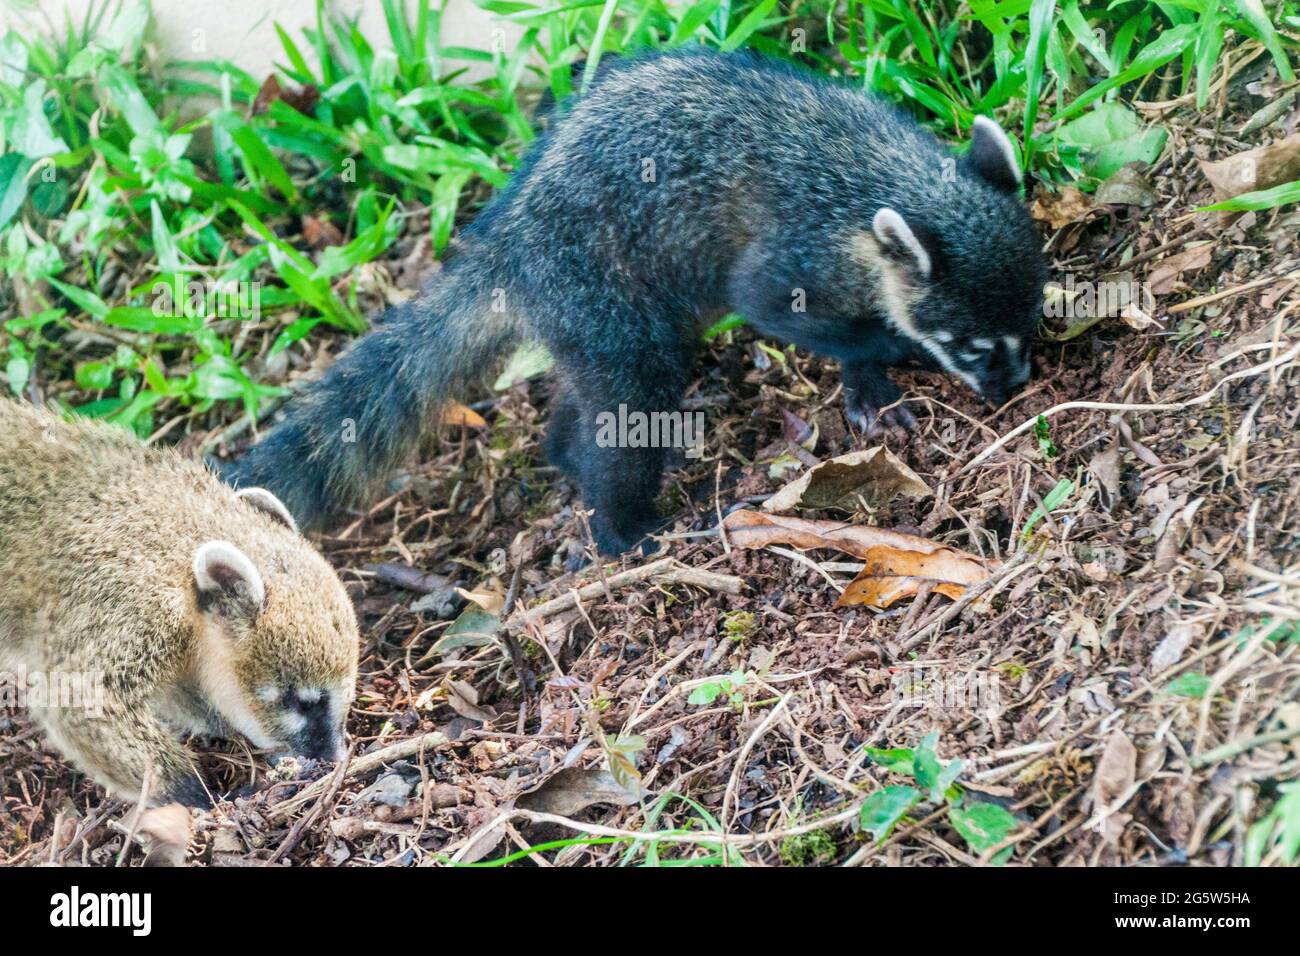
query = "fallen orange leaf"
x=896 y=565
x=453 y=413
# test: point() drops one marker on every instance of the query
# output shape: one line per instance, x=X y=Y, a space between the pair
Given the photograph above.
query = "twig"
x=361 y=765
x=1228 y=751
x=1025 y=426
x=1236 y=290
x=743 y=755
x=136 y=816
x=300 y=826
x=665 y=570
x=973 y=593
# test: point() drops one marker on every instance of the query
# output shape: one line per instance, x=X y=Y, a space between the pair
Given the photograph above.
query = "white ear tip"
x=217 y=563
x=892 y=229
x=887 y=221
x=266 y=501
x=988 y=127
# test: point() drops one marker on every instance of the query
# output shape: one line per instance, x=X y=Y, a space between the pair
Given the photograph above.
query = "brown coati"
x=679 y=186
x=166 y=602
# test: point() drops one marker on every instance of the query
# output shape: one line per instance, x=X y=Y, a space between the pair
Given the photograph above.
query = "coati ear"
x=992 y=157
x=900 y=242
x=227 y=581
x=263 y=500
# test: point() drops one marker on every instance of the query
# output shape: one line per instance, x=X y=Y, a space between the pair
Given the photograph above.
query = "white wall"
x=243 y=30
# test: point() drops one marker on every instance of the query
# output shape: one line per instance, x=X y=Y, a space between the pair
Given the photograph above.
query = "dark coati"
x=161 y=602
x=679 y=186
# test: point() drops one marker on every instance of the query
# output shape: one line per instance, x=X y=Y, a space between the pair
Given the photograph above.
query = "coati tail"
x=369 y=411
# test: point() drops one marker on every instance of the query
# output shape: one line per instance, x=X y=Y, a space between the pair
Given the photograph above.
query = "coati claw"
x=872 y=422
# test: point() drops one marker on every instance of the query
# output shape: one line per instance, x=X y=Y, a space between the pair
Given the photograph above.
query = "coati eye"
x=303 y=700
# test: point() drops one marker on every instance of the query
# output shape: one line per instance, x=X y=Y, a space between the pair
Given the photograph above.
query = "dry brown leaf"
x=896 y=564
x=1254 y=169
x=1105 y=468
x=891 y=574
x=165 y=831
x=876 y=474
x=1171 y=647
x=320 y=233
x=463 y=699
x=303 y=99
x=454 y=413
x=1114 y=776
x=573 y=789
x=490 y=596
x=1126 y=187
x=1061 y=209
x=1168 y=272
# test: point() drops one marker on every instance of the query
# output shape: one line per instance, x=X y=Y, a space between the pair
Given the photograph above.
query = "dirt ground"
x=1170 y=566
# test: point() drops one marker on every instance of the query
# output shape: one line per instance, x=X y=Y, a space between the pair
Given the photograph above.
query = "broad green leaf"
x=925 y=765
x=1190 y=684
x=983 y=825
x=897 y=759
x=705 y=694
x=474 y=627
x=13 y=185
x=752 y=21
x=259 y=161
x=1110 y=137
x=1167 y=45
x=164 y=246
x=128 y=99
x=883 y=809
x=723 y=325
x=94 y=376
x=13 y=60
x=1040 y=24
x=1260 y=199
x=18 y=370
x=1053 y=499
x=86 y=301
x=27 y=130
x=1253 y=12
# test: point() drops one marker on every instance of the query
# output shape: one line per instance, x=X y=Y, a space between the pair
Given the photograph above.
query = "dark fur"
x=766 y=181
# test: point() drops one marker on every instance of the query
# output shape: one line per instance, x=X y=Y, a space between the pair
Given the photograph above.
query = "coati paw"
x=616 y=538
x=872 y=422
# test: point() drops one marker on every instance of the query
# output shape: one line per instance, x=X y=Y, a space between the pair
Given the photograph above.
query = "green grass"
x=112 y=226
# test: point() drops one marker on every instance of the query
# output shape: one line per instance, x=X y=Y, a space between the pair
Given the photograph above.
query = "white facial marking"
x=1012 y=342
x=945 y=361
x=268 y=694
x=292 y=723
x=217 y=678
x=310 y=695
x=987 y=127
x=984 y=344
x=943 y=336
